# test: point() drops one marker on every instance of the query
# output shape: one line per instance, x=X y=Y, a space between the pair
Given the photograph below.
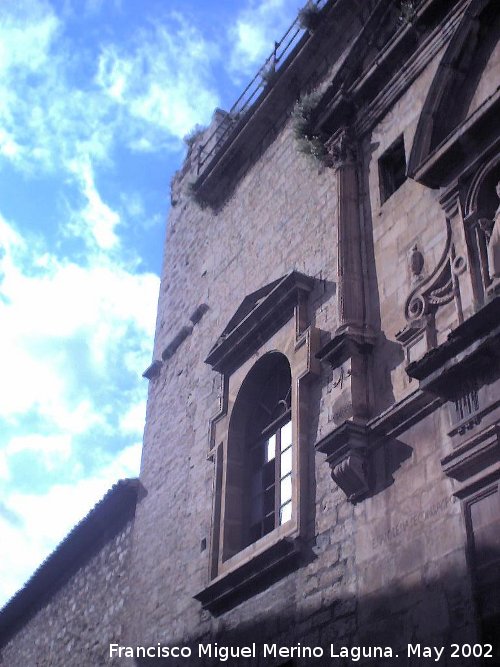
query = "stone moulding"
x=441 y=143
x=260 y=315
x=345 y=343
x=271 y=321
x=183 y=333
x=456 y=372
x=234 y=586
x=402 y=415
x=346 y=450
x=471 y=347
x=475 y=454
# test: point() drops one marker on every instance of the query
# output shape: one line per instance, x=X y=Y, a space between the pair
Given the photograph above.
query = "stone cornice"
x=475 y=344
x=475 y=131
x=362 y=100
x=243 y=336
x=401 y=416
x=274 y=103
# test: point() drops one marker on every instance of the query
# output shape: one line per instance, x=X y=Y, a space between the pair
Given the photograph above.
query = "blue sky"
x=95 y=99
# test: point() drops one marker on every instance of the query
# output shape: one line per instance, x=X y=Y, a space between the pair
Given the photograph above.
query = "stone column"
x=349 y=350
x=351 y=294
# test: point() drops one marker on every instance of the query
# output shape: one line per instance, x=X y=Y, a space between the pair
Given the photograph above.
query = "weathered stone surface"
x=390 y=565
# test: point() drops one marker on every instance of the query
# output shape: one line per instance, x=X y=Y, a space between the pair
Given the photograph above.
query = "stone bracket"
x=346 y=453
x=471 y=349
x=474 y=455
x=345 y=343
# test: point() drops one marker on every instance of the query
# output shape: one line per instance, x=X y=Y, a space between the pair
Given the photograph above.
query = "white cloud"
x=96 y=222
x=56 y=109
x=157 y=79
x=133 y=420
x=102 y=308
x=50 y=448
x=255 y=30
x=8 y=146
x=27 y=31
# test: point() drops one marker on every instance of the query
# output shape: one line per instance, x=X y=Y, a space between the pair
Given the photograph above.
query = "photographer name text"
x=354 y=653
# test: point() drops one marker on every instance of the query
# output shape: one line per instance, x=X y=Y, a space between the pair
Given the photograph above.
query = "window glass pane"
x=285 y=513
x=256 y=512
x=286 y=462
x=286 y=489
x=271 y=448
x=256 y=483
x=268 y=524
x=269 y=501
x=286 y=436
x=269 y=474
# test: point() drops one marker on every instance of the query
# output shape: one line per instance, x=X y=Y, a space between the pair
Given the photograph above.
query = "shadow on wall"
x=434 y=619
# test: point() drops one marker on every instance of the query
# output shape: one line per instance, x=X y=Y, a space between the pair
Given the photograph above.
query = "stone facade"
x=371 y=268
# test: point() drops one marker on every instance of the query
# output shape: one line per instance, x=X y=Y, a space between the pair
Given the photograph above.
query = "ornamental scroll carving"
x=434 y=291
x=430 y=293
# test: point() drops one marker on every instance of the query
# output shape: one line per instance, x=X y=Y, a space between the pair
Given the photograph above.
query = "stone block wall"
x=391 y=565
x=77 y=624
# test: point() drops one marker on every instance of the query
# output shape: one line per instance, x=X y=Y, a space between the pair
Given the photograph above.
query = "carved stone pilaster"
x=459 y=256
x=346 y=453
x=349 y=351
x=350 y=288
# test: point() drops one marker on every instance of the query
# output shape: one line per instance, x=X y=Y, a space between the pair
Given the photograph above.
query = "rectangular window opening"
x=392 y=169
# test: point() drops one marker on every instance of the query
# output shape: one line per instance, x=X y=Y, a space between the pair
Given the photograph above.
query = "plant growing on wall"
x=193 y=194
x=408 y=11
x=268 y=74
x=195 y=134
x=308 y=143
x=308 y=16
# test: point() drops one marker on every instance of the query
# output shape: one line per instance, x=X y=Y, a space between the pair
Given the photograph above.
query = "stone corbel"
x=346 y=451
x=342 y=148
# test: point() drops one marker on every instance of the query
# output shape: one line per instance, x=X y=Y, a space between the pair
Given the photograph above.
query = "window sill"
x=251 y=575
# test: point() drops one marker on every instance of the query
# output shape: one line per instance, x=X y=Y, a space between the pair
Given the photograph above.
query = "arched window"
x=266 y=356
x=270 y=451
x=260 y=455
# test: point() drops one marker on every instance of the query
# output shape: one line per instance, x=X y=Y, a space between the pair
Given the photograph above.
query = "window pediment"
x=258 y=317
x=457 y=120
